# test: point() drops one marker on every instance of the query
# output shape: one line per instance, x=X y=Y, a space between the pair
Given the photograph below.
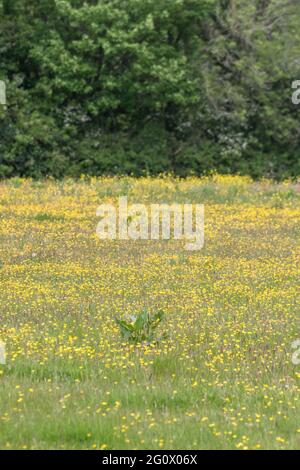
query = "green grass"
x=222 y=379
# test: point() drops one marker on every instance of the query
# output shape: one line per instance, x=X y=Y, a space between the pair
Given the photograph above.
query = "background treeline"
x=149 y=86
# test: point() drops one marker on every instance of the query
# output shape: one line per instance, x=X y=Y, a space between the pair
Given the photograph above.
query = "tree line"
x=149 y=86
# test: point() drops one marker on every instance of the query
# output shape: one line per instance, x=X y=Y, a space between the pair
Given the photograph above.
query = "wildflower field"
x=222 y=377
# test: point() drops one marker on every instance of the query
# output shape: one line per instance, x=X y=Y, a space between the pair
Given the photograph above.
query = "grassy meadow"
x=222 y=379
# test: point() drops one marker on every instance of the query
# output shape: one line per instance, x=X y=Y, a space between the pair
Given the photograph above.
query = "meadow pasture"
x=221 y=378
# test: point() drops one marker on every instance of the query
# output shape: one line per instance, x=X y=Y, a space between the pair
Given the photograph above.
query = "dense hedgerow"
x=146 y=86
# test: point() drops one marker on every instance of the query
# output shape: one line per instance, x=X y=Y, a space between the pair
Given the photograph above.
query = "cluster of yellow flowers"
x=223 y=378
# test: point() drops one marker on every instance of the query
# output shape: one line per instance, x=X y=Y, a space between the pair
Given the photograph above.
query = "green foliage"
x=141 y=328
x=147 y=86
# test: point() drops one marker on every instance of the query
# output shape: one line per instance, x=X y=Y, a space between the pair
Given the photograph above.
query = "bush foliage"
x=149 y=86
